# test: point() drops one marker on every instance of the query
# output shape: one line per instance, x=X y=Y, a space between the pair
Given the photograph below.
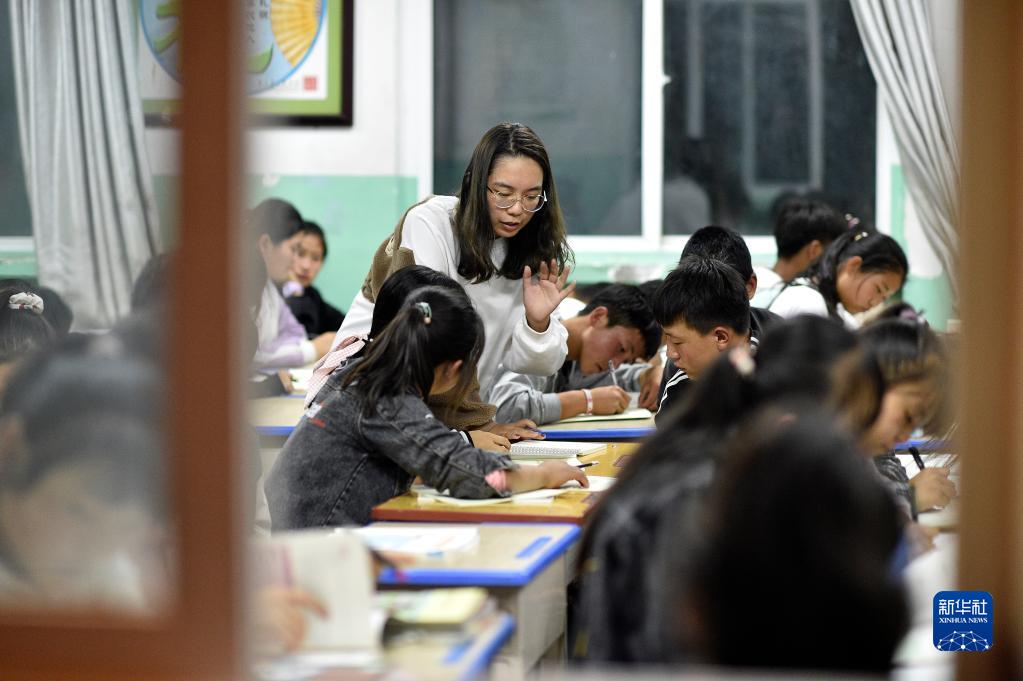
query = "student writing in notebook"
x=390 y=299
x=728 y=246
x=704 y=310
x=613 y=330
x=803 y=229
x=633 y=553
x=859 y=270
x=369 y=431
x=915 y=370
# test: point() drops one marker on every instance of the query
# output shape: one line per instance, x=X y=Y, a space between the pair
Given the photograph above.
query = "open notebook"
x=538 y=449
x=627 y=415
x=538 y=496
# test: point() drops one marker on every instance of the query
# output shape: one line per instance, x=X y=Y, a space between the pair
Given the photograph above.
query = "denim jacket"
x=339 y=462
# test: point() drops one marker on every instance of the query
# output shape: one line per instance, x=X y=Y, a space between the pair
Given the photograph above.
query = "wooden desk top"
x=570 y=507
x=276 y=416
x=505 y=555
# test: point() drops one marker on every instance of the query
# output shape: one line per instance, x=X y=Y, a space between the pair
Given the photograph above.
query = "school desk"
x=275 y=417
x=630 y=430
x=427 y=658
x=526 y=567
x=570 y=507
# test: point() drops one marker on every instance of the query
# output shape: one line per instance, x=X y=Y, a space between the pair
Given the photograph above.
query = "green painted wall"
x=356 y=213
x=933 y=295
x=17 y=265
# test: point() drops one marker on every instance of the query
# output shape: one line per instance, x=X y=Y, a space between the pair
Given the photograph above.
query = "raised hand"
x=542 y=296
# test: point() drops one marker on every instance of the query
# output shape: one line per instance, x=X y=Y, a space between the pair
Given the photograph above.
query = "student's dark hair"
x=150 y=289
x=397 y=287
x=109 y=400
x=649 y=290
x=280 y=221
x=542 y=240
x=276 y=218
x=703 y=293
x=56 y=311
x=802 y=220
x=721 y=243
x=314 y=229
x=878 y=252
x=585 y=292
x=22 y=331
x=433 y=326
x=908 y=351
x=626 y=306
x=807 y=359
x=795 y=511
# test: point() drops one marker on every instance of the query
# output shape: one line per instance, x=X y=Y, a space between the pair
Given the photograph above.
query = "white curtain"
x=81 y=127
x=897 y=38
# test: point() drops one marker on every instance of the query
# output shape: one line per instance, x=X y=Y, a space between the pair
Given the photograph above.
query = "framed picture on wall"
x=298 y=60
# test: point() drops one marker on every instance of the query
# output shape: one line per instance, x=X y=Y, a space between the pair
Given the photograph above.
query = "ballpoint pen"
x=611 y=370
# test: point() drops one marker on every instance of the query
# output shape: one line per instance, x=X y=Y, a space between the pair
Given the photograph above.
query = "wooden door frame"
x=991 y=366
x=201 y=637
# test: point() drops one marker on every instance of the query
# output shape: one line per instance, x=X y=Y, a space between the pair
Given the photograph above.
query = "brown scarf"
x=390 y=256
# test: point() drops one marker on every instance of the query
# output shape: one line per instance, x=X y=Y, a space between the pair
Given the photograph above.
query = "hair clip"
x=851 y=220
x=26 y=301
x=916 y=316
x=861 y=235
x=427 y=312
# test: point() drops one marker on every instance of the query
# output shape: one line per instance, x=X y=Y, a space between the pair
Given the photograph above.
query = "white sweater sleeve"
x=534 y=353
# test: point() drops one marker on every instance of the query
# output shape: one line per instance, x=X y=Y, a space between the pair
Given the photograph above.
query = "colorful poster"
x=297 y=59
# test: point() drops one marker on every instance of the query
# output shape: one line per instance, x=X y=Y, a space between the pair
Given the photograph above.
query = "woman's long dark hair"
x=878 y=252
x=433 y=326
x=542 y=240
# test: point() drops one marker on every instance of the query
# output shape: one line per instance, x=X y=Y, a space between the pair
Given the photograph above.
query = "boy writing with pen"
x=616 y=328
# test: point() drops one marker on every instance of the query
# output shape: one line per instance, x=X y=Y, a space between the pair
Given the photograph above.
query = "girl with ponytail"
x=369 y=431
x=859 y=270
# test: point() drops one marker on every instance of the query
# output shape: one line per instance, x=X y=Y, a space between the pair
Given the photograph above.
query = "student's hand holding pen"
x=933 y=488
x=610 y=399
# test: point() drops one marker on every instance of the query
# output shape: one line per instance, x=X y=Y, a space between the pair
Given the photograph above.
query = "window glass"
x=570 y=71
x=765 y=97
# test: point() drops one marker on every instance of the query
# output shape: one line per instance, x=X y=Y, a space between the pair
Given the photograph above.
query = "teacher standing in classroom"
x=503 y=240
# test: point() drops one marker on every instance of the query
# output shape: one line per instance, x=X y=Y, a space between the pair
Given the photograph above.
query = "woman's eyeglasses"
x=530 y=203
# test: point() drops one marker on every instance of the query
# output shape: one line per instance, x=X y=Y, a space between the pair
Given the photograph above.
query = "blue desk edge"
x=598 y=433
x=479 y=665
x=512 y=577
